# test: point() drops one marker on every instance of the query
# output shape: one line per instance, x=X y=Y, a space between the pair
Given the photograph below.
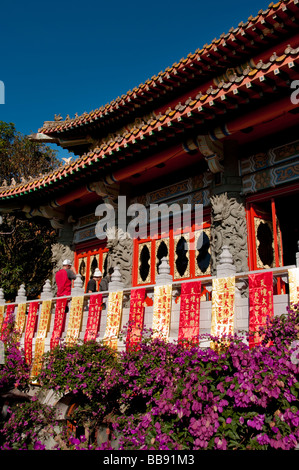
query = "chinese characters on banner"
x=29 y=332
x=162 y=311
x=94 y=317
x=294 y=286
x=189 y=311
x=114 y=313
x=59 y=321
x=20 y=319
x=75 y=320
x=223 y=306
x=2 y=310
x=9 y=311
x=43 y=328
x=260 y=304
x=136 y=317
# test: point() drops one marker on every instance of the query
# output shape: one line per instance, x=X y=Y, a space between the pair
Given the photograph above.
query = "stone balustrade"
x=225 y=269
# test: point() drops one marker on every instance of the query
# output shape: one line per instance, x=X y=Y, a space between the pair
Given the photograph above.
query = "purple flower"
x=220 y=444
x=38 y=446
x=263 y=439
x=257 y=422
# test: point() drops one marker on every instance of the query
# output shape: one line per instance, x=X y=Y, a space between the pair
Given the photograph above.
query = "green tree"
x=22 y=158
x=25 y=245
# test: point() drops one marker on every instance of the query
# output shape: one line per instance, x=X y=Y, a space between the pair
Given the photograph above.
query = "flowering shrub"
x=29 y=424
x=198 y=399
x=90 y=372
x=14 y=372
x=165 y=396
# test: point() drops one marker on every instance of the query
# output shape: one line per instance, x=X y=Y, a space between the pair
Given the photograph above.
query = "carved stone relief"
x=229 y=228
x=120 y=246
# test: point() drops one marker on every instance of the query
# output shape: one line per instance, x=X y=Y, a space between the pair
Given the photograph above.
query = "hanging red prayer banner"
x=136 y=318
x=260 y=304
x=189 y=311
x=59 y=321
x=94 y=317
x=29 y=332
x=9 y=311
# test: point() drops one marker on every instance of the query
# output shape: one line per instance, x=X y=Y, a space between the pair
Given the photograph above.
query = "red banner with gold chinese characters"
x=223 y=306
x=75 y=321
x=94 y=317
x=260 y=304
x=30 y=329
x=136 y=318
x=43 y=328
x=189 y=311
x=114 y=313
x=59 y=321
x=9 y=311
x=294 y=286
x=162 y=311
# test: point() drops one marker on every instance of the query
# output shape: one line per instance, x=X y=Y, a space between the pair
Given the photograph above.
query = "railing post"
x=225 y=267
x=47 y=292
x=78 y=288
x=21 y=297
x=2 y=300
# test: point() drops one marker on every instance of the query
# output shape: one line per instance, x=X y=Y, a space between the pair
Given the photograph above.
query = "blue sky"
x=70 y=56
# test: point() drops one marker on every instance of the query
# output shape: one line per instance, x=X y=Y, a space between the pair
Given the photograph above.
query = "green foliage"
x=20 y=157
x=25 y=255
x=25 y=245
x=36 y=422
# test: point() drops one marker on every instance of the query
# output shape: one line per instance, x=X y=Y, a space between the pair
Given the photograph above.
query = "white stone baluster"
x=47 y=292
x=164 y=277
x=78 y=288
x=225 y=267
x=21 y=297
x=116 y=283
x=2 y=300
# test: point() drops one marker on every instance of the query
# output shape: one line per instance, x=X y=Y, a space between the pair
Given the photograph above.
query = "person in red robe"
x=64 y=278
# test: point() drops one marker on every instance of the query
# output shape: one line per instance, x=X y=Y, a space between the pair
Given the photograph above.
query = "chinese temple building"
x=218 y=128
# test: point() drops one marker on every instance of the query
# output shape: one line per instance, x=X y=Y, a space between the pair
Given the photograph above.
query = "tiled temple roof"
x=255 y=79
x=256 y=32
